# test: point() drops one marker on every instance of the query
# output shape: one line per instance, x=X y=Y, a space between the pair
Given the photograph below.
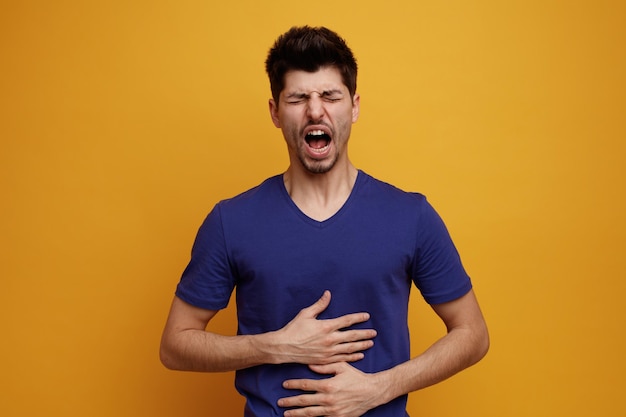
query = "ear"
x=356 y=103
x=274 y=112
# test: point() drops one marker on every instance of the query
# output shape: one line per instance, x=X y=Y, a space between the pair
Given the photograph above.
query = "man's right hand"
x=308 y=340
x=187 y=345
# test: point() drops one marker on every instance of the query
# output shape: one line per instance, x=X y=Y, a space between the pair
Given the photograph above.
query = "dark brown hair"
x=308 y=49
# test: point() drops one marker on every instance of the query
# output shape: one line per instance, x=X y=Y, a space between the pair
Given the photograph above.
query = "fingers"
x=312 y=386
x=348 y=357
x=328 y=369
x=304 y=400
x=342 y=322
x=353 y=340
x=329 y=340
x=346 y=352
x=320 y=305
x=346 y=336
x=349 y=320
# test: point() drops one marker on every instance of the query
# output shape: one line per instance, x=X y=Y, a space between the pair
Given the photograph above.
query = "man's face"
x=315 y=113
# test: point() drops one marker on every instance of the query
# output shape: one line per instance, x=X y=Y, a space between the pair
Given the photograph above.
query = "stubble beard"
x=317 y=167
x=312 y=165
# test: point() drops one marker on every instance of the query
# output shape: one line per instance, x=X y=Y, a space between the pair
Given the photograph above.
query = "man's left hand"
x=349 y=393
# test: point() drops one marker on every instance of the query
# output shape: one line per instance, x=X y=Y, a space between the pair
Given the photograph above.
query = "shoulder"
x=267 y=191
x=389 y=204
x=376 y=188
x=244 y=209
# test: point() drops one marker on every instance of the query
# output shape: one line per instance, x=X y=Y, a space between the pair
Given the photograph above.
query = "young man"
x=323 y=258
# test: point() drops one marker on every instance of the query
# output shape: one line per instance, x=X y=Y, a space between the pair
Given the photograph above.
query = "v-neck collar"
x=323 y=223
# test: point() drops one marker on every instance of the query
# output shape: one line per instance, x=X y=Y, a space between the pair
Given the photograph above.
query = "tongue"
x=317 y=143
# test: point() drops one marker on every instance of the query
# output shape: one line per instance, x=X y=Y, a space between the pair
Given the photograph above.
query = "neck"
x=320 y=196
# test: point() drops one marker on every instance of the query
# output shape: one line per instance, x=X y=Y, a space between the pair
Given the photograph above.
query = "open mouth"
x=318 y=140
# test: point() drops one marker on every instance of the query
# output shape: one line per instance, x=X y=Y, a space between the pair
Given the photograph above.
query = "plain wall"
x=123 y=122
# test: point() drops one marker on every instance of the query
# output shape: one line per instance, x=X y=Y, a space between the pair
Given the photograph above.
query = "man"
x=323 y=258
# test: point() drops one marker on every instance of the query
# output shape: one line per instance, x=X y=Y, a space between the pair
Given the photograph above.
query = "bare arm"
x=186 y=345
x=466 y=342
x=351 y=392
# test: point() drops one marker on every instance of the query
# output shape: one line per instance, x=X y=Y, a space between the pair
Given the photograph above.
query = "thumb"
x=320 y=305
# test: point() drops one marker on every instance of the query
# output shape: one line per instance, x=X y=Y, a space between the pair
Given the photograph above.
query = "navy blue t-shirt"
x=281 y=261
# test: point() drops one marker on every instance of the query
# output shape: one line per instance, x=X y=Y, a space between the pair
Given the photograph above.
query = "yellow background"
x=123 y=122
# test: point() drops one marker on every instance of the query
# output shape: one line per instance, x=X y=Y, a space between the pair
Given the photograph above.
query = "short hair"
x=308 y=49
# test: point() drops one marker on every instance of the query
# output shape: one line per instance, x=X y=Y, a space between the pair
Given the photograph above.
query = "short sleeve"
x=207 y=281
x=437 y=271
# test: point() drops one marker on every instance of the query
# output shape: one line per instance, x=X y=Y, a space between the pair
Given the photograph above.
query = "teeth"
x=316 y=133
x=320 y=150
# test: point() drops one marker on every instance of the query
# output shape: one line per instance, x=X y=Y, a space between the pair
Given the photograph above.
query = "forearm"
x=457 y=350
x=186 y=345
x=202 y=351
x=351 y=392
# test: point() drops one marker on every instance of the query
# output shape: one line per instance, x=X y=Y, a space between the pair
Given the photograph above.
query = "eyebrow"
x=324 y=93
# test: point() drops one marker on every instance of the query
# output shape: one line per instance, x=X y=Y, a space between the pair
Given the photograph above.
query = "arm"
x=351 y=393
x=466 y=342
x=186 y=345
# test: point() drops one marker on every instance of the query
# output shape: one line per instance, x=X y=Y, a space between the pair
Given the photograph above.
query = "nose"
x=315 y=107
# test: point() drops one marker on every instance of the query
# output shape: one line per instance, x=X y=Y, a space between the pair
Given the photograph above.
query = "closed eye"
x=297 y=98
x=330 y=96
